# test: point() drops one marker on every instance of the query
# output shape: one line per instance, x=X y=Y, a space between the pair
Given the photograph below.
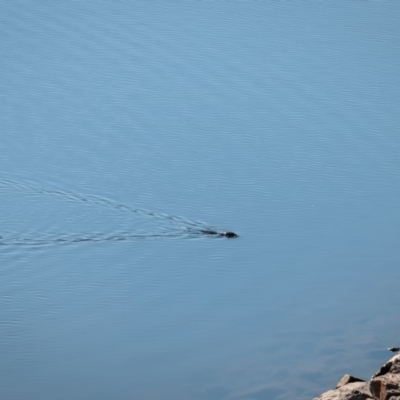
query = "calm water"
x=127 y=127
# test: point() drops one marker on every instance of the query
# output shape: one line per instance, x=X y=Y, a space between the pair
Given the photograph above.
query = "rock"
x=350 y=391
x=385 y=387
x=392 y=366
x=348 y=379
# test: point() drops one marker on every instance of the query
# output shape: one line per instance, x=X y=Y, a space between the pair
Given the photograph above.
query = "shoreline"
x=383 y=385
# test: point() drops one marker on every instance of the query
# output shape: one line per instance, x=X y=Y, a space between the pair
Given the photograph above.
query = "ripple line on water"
x=176 y=227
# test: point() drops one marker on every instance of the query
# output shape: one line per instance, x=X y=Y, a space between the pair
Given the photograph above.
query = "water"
x=127 y=128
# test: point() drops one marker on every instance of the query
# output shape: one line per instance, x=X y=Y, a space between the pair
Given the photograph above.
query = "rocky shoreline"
x=384 y=385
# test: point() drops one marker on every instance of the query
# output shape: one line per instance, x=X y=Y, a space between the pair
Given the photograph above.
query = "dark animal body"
x=229 y=235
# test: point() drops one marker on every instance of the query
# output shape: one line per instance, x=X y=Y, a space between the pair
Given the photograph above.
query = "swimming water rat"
x=229 y=235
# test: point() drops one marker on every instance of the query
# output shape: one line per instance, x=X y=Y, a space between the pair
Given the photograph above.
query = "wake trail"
x=99 y=201
x=178 y=227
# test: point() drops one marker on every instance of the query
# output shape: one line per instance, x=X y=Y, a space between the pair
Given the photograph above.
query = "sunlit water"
x=129 y=129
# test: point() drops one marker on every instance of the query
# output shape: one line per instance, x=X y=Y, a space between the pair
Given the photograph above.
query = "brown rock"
x=348 y=379
x=385 y=387
x=350 y=391
x=392 y=366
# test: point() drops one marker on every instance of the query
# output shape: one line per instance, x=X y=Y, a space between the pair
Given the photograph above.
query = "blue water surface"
x=130 y=126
